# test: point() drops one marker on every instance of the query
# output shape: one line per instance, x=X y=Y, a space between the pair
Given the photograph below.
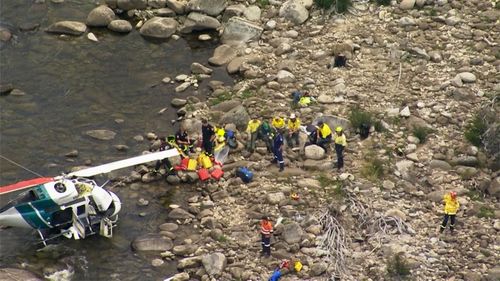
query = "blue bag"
x=276 y=275
x=244 y=174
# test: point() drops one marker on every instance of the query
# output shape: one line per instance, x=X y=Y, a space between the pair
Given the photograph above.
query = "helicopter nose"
x=11 y=217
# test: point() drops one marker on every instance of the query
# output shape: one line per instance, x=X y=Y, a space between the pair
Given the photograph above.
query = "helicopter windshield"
x=22 y=198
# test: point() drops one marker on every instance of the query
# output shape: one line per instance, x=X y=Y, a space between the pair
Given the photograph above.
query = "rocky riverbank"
x=415 y=64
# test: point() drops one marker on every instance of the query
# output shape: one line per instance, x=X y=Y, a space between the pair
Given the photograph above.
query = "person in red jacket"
x=266 y=230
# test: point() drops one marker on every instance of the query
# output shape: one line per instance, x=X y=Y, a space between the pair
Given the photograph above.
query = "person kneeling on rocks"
x=266 y=230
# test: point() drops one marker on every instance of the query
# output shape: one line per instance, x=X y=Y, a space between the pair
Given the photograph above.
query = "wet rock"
x=318 y=268
x=275 y=198
x=176 y=102
x=189 y=263
x=72 y=153
x=292 y=233
x=184 y=250
x=152 y=242
x=494 y=188
x=151 y=177
x=440 y=164
x=407 y=4
x=198 y=68
x=173 y=179
x=132 y=4
x=238 y=30
x=197 y=22
x=237 y=116
x=100 y=16
x=67 y=27
x=5 y=34
x=121 y=26
x=157 y=262
x=159 y=27
x=467 y=77
x=121 y=147
x=14 y=274
x=179 y=7
x=184 y=276
x=214 y=263
x=157 y=4
x=165 y=12
x=169 y=227
x=91 y=36
x=209 y=7
x=179 y=213
x=222 y=55
x=226 y=106
x=27 y=26
x=314 y=152
x=294 y=11
x=101 y=134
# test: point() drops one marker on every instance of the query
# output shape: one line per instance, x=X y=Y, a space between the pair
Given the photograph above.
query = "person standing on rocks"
x=266 y=134
x=293 y=131
x=324 y=135
x=278 y=150
x=252 y=130
x=340 y=144
x=266 y=230
x=208 y=137
x=451 y=206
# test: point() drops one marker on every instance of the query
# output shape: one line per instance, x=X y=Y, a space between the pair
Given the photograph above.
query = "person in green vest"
x=266 y=133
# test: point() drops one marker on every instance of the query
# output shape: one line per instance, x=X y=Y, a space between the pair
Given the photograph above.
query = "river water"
x=73 y=85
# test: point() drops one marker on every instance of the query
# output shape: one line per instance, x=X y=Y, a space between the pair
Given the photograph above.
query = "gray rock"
x=395 y=213
x=407 y=4
x=318 y=268
x=152 y=242
x=197 y=22
x=314 y=152
x=72 y=153
x=179 y=213
x=132 y=4
x=326 y=99
x=405 y=112
x=122 y=147
x=493 y=274
x=406 y=21
x=292 y=233
x=435 y=56
x=275 y=198
x=238 y=30
x=184 y=276
x=184 y=250
x=309 y=183
x=494 y=188
x=214 y=263
x=333 y=121
x=284 y=76
x=189 y=263
x=222 y=55
x=176 y=102
x=440 y=164
x=404 y=166
x=198 y=68
x=6 y=89
x=252 y=13
x=233 y=11
x=158 y=27
x=226 y=106
x=209 y=7
x=471 y=161
x=100 y=16
x=14 y=274
x=294 y=11
x=238 y=116
x=157 y=4
x=467 y=77
x=5 y=34
x=388 y=185
x=173 y=179
x=169 y=227
x=121 y=26
x=68 y=27
x=179 y=7
x=101 y=134
x=165 y=12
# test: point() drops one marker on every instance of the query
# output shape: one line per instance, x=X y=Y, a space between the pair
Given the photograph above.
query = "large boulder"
x=100 y=16
x=252 y=13
x=333 y=122
x=294 y=11
x=101 y=134
x=494 y=188
x=209 y=7
x=226 y=105
x=152 y=242
x=158 y=27
x=197 y=21
x=14 y=274
x=67 y=27
x=292 y=233
x=214 y=263
x=132 y=4
x=238 y=30
x=222 y=55
x=179 y=213
x=314 y=152
x=121 y=26
x=439 y=165
x=238 y=116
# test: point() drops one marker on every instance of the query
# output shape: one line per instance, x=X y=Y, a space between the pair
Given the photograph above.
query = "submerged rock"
x=14 y=274
x=152 y=242
x=68 y=27
x=101 y=134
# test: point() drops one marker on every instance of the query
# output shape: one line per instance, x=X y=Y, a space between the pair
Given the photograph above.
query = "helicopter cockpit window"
x=60 y=187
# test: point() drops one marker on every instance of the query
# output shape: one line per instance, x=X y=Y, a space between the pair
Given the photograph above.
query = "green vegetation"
x=383 y=2
x=341 y=6
x=247 y=94
x=433 y=12
x=325 y=180
x=220 y=98
x=262 y=3
x=378 y=126
x=486 y=212
x=222 y=238
x=397 y=267
x=333 y=187
x=421 y=133
x=475 y=130
x=475 y=195
x=373 y=168
x=359 y=116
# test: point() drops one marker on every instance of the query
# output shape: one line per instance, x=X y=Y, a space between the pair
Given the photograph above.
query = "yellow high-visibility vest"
x=294 y=126
x=253 y=125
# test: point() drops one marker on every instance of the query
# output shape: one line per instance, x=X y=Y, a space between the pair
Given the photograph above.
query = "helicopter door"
x=78 y=226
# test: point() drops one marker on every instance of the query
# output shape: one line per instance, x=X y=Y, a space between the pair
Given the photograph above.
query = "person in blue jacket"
x=278 y=150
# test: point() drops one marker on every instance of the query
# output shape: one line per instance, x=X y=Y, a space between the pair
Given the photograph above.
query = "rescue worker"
x=451 y=206
x=324 y=135
x=305 y=100
x=340 y=144
x=278 y=123
x=164 y=145
x=266 y=230
x=208 y=137
x=278 y=150
x=220 y=131
x=293 y=130
x=266 y=134
x=252 y=130
x=183 y=141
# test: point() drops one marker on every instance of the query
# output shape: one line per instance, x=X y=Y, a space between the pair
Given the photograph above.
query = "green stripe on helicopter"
x=38 y=213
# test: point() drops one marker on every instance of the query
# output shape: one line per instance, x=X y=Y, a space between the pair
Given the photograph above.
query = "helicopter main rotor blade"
x=23 y=185
x=106 y=168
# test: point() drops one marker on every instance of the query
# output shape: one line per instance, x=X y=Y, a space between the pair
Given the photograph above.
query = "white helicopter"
x=71 y=205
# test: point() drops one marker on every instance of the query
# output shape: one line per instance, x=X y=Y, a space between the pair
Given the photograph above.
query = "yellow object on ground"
x=204 y=161
x=298 y=266
x=192 y=165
